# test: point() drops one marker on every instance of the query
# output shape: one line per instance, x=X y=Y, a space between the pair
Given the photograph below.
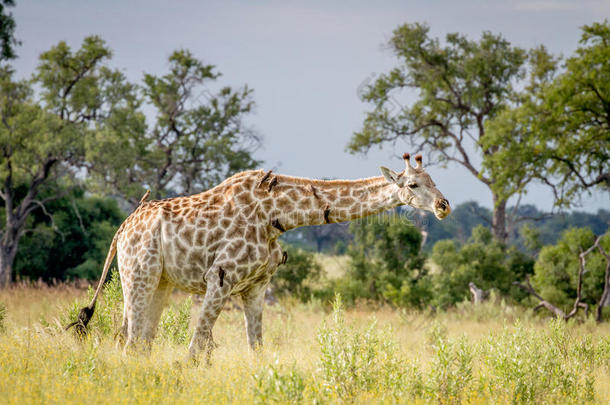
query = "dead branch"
x=527 y=287
x=478 y=295
x=604 y=300
x=578 y=304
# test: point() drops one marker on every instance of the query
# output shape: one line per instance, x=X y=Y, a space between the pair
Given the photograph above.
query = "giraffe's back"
x=185 y=234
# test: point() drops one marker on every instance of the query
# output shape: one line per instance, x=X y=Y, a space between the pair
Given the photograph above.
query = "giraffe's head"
x=416 y=188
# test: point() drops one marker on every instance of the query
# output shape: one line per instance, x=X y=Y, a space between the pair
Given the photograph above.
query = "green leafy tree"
x=560 y=133
x=483 y=260
x=460 y=86
x=7 y=31
x=556 y=270
x=386 y=263
x=295 y=277
x=72 y=242
x=43 y=141
x=197 y=137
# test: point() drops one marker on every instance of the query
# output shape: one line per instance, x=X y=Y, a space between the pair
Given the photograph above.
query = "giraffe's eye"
x=412 y=185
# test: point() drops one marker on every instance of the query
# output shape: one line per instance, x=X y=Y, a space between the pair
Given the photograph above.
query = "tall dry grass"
x=487 y=354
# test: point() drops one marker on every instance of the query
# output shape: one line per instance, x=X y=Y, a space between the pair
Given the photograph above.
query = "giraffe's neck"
x=302 y=202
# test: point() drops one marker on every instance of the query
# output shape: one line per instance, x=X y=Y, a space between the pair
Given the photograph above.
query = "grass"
x=492 y=353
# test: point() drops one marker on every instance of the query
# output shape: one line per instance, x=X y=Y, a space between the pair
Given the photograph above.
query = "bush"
x=483 y=260
x=108 y=313
x=386 y=263
x=451 y=366
x=295 y=276
x=74 y=244
x=549 y=366
x=174 y=324
x=2 y=317
x=352 y=360
x=556 y=270
x=276 y=385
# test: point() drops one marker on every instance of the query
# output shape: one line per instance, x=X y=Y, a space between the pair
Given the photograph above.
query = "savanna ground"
x=314 y=353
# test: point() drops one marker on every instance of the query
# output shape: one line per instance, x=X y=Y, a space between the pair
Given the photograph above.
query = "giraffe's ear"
x=389 y=175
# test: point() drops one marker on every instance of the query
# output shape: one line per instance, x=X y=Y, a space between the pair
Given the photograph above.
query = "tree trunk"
x=8 y=250
x=7 y=258
x=478 y=295
x=498 y=222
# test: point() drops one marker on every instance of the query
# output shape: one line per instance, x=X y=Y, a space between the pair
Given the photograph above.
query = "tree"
x=295 y=276
x=560 y=133
x=42 y=142
x=197 y=139
x=577 y=266
x=483 y=260
x=386 y=262
x=7 y=31
x=72 y=242
x=460 y=86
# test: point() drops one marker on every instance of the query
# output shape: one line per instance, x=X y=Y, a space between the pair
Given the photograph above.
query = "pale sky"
x=305 y=61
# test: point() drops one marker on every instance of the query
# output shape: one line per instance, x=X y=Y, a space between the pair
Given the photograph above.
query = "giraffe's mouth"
x=441 y=208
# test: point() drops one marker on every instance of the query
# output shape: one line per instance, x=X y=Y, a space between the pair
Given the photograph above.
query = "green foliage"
x=533 y=367
x=45 y=132
x=70 y=243
x=295 y=277
x=461 y=85
x=451 y=366
x=352 y=360
x=558 y=134
x=275 y=385
x=7 y=31
x=556 y=270
x=197 y=138
x=108 y=313
x=174 y=324
x=2 y=317
x=483 y=261
x=386 y=263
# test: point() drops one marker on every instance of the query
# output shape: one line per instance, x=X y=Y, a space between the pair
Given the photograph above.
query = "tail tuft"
x=84 y=316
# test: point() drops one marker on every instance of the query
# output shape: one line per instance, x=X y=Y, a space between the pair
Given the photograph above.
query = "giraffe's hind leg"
x=159 y=301
x=139 y=299
x=121 y=334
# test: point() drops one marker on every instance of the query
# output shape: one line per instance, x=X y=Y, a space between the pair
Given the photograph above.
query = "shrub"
x=2 y=317
x=386 y=263
x=275 y=384
x=352 y=361
x=451 y=367
x=483 y=260
x=74 y=244
x=527 y=366
x=108 y=313
x=174 y=324
x=294 y=276
x=556 y=270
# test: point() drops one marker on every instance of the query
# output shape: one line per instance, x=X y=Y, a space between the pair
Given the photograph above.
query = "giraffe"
x=223 y=242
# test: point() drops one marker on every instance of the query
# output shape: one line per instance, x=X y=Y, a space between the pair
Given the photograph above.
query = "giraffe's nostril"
x=442 y=204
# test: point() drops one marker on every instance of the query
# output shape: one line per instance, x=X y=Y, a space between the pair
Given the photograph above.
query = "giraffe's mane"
x=304 y=181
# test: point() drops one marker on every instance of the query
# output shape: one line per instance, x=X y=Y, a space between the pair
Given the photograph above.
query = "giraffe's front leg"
x=217 y=292
x=254 y=301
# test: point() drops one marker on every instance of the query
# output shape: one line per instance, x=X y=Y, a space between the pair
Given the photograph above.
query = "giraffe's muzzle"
x=441 y=208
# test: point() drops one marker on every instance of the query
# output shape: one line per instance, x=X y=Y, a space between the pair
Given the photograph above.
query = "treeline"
x=335 y=238
x=388 y=265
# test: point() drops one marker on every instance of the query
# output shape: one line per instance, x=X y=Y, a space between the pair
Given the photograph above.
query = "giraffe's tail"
x=85 y=314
